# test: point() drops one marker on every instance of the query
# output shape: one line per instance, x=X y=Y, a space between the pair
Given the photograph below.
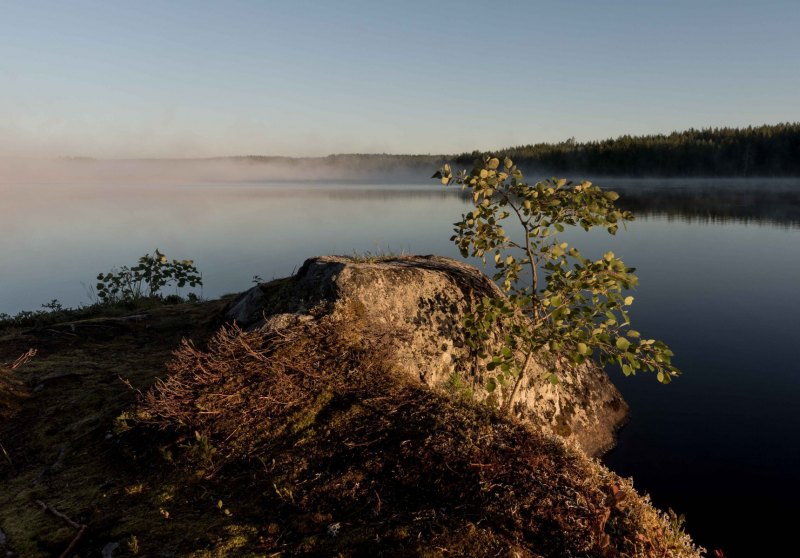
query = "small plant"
x=146 y=279
x=285 y=493
x=376 y=256
x=52 y=311
x=676 y=521
x=457 y=387
x=222 y=508
x=53 y=306
x=560 y=305
x=202 y=452
x=133 y=544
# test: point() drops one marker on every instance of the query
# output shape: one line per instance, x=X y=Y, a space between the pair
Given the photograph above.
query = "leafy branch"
x=560 y=305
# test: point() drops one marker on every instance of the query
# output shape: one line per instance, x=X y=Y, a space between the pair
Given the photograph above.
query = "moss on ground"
x=298 y=443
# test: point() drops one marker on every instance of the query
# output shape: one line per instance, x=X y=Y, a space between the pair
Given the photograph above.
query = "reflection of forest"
x=776 y=202
x=716 y=205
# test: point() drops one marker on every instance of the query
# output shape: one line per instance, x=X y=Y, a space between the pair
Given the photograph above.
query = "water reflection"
x=707 y=204
x=716 y=205
x=53 y=237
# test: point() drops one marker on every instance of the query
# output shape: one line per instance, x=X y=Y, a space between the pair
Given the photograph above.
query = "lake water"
x=720 y=284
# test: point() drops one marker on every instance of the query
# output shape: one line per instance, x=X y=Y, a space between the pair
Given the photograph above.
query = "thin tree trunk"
x=508 y=405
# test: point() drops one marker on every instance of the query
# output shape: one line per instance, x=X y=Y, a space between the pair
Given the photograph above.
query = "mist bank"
x=752 y=152
x=773 y=200
x=357 y=169
x=335 y=168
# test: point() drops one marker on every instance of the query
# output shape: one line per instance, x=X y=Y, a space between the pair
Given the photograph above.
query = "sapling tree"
x=560 y=305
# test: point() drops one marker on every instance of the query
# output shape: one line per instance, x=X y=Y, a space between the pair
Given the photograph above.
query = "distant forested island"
x=768 y=150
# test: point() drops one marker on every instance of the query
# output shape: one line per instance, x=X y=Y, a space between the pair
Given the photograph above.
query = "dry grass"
x=64 y=405
x=348 y=458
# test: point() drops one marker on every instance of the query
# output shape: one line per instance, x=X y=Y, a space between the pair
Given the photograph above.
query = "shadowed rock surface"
x=421 y=301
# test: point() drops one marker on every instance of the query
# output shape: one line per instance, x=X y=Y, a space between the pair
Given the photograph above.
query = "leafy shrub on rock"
x=561 y=306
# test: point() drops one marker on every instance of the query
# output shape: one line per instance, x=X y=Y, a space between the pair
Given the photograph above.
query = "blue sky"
x=187 y=79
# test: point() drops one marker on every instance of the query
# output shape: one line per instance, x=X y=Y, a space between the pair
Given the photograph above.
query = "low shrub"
x=147 y=278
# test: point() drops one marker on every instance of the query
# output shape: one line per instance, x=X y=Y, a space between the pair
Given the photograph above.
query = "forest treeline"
x=769 y=150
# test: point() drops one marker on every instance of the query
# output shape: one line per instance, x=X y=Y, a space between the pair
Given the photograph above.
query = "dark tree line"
x=769 y=150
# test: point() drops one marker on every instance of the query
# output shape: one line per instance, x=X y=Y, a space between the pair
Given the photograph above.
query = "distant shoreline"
x=755 y=151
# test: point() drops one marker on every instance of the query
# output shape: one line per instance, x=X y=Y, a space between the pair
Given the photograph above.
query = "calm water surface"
x=721 y=444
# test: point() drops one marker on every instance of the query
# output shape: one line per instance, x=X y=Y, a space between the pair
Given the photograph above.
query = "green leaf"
x=622 y=344
x=491 y=385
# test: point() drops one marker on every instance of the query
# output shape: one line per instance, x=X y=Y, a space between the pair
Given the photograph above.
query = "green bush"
x=153 y=273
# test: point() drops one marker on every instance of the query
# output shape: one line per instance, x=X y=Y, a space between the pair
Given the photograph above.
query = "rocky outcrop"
x=420 y=302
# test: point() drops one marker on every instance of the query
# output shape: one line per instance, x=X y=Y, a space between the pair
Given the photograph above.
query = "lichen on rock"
x=422 y=301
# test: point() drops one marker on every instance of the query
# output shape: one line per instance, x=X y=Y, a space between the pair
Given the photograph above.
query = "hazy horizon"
x=323 y=156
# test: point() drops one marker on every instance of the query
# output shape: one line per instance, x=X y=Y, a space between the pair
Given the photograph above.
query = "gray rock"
x=108 y=550
x=422 y=301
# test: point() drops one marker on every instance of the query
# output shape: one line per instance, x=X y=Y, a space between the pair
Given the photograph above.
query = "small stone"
x=108 y=550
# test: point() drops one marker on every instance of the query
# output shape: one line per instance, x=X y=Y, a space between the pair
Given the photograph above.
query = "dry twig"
x=22 y=359
x=81 y=528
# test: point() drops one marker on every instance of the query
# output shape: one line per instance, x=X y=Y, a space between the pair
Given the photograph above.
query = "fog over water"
x=16 y=171
x=64 y=221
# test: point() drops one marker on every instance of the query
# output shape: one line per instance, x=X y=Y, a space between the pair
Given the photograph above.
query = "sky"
x=199 y=79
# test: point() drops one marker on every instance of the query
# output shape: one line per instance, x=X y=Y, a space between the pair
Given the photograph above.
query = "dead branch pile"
x=248 y=383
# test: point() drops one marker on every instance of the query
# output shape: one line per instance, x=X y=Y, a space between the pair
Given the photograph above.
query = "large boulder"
x=419 y=303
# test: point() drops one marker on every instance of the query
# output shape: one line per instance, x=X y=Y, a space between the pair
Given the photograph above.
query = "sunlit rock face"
x=417 y=304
